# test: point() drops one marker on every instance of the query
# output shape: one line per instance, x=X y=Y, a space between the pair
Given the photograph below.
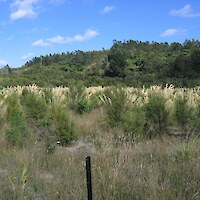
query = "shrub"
x=183 y=113
x=116 y=102
x=63 y=128
x=34 y=105
x=156 y=114
x=18 y=133
x=48 y=95
x=134 y=121
x=75 y=94
x=86 y=104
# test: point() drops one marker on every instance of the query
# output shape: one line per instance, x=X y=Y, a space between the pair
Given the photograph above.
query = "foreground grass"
x=126 y=163
x=162 y=168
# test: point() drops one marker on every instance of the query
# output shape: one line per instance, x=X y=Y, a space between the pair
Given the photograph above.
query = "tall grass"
x=165 y=167
x=148 y=170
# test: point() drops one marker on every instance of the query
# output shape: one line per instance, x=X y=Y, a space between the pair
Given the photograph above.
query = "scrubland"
x=144 y=142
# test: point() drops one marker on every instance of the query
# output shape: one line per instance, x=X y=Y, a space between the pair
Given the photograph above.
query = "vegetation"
x=143 y=140
x=126 y=163
x=128 y=63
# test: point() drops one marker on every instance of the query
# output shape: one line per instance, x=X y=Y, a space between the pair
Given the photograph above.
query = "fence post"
x=89 y=177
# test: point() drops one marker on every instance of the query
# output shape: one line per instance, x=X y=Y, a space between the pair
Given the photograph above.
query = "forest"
x=128 y=63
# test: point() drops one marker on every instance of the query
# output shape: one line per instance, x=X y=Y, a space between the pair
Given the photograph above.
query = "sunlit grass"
x=164 y=167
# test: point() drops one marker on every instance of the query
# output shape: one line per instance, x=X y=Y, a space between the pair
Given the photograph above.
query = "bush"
x=156 y=114
x=62 y=126
x=183 y=113
x=34 y=105
x=134 y=121
x=116 y=102
x=75 y=94
x=86 y=104
x=81 y=102
x=48 y=95
x=18 y=133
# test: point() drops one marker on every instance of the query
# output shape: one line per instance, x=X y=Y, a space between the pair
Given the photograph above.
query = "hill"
x=130 y=63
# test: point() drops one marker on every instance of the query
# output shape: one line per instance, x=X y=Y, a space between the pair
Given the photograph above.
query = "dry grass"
x=152 y=169
x=161 y=168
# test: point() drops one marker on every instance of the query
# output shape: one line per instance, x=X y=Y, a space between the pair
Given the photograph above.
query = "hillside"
x=133 y=63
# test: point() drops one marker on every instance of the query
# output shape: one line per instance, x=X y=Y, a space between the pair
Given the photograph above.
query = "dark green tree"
x=117 y=61
x=195 y=60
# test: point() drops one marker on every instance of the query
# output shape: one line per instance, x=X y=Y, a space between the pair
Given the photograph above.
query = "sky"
x=30 y=28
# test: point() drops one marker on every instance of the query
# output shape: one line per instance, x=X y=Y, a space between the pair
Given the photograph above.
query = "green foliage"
x=81 y=102
x=17 y=134
x=134 y=121
x=117 y=61
x=131 y=63
x=183 y=113
x=116 y=103
x=63 y=127
x=156 y=114
x=35 y=106
x=86 y=104
x=48 y=95
x=76 y=92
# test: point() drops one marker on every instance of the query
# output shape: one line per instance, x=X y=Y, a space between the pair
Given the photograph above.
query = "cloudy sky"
x=30 y=28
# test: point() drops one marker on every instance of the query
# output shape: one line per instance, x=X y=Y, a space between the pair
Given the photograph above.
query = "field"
x=144 y=142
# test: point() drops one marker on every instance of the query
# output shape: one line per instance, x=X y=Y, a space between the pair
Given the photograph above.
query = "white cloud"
x=89 y=34
x=23 y=9
x=41 y=43
x=3 y=62
x=169 y=32
x=24 y=57
x=186 y=11
x=107 y=9
x=57 y=39
x=173 y=31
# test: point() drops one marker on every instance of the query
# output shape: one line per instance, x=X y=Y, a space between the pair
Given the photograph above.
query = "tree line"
x=133 y=63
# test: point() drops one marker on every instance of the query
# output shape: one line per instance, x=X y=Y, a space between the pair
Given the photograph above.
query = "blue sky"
x=30 y=28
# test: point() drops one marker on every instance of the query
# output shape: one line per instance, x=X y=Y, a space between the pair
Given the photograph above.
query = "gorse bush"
x=156 y=114
x=17 y=133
